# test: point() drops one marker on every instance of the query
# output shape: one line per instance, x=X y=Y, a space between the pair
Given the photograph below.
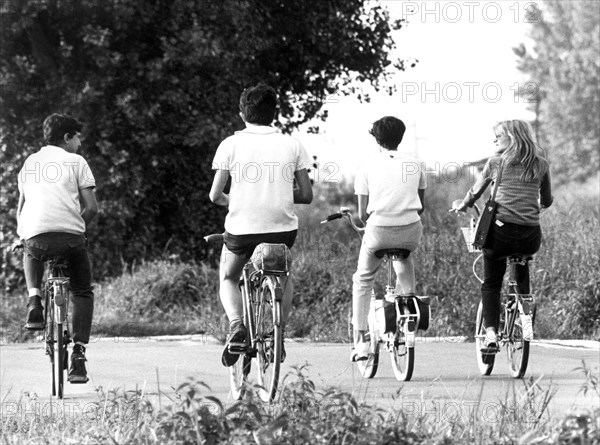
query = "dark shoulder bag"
x=486 y=219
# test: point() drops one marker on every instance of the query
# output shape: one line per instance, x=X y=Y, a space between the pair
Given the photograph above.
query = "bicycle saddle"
x=399 y=253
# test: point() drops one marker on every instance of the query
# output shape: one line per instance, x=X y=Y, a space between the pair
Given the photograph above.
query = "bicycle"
x=393 y=319
x=262 y=296
x=56 y=327
x=513 y=314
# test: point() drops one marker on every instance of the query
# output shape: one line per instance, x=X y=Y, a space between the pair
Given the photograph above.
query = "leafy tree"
x=564 y=65
x=157 y=85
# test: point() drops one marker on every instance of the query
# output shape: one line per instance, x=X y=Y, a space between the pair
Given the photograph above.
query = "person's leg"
x=529 y=244
x=80 y=278
x=362 y=287
x=288 y=294
x=493 y=275
x=34 y=270
x=405 y=276
x=405 y=237
x=229 y=291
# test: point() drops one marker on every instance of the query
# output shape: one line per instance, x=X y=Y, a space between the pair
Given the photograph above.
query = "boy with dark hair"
x=56 y=202
x=263 y=165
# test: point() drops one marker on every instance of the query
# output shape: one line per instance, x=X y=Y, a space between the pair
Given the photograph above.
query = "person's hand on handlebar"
x=17 y=245
x=458 y=206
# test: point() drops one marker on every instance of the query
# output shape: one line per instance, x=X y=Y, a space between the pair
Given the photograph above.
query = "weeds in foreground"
x=302 y=414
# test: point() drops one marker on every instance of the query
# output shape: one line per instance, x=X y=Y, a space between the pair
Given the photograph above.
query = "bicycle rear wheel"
x=368 y=368
x=402 y=353
x=62 y=359
x=485 y=362
x=49 y=335
x=517 y=348
x=269 y=337
x=238 y=376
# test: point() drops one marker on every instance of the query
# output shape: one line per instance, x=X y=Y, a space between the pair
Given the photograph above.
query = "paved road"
x=446 y=378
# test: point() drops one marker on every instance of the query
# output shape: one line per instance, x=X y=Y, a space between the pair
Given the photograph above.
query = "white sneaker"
x=490 y=342
x=527 y=325
x=360 y=351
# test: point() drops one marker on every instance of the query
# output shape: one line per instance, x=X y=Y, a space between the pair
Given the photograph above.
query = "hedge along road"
x=446 y=380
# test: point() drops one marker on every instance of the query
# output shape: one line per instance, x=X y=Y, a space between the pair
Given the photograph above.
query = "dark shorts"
x=244 y=245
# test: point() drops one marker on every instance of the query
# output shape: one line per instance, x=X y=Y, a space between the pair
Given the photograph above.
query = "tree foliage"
x=157 y=85
x=565 y=65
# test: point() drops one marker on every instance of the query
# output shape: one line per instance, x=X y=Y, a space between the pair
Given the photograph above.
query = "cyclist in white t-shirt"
x=390 y=187
x=56 y=202
x=262 y=165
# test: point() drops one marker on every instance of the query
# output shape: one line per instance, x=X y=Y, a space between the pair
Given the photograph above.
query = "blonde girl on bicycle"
x=523 y=190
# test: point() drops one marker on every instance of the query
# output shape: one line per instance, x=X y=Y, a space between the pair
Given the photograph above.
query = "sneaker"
x=35 y=315
x=490 y=343
x=360 y=351
x=77 y=373
x=236 y=344
x=527 y=326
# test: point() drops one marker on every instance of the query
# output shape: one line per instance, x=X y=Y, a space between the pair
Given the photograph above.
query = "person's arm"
x=363 y=203
x=546 y=198
x=303 y=193
x=421 y=193
x=89 y=204
x=217 y=194
x=20 y=205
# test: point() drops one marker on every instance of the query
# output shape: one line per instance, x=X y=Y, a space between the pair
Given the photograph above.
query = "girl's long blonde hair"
x=522 y=149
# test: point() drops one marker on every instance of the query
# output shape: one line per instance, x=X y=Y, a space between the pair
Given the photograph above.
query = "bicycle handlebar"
x=475 y=209
x=344 y=213
x=332 y=217
x=214 y=239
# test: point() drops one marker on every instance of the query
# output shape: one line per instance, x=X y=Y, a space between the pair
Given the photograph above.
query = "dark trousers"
x=73 y=249
x=502 y=242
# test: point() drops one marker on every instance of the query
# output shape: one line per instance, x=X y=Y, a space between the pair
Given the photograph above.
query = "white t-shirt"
x=50 y=181
x=391 y=181
x=261 y=162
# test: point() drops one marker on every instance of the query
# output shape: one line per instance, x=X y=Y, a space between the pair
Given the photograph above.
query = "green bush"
x=302 y=414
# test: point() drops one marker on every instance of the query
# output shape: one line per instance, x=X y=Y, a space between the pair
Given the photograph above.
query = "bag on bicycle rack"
x=422 y=309
x=487 y=215
x=274 y=258
x=385 y=315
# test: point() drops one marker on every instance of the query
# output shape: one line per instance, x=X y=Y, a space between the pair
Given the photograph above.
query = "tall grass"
x=302 y=414
x=171 y=297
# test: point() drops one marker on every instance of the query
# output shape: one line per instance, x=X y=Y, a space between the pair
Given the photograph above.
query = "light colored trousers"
x=377 y=238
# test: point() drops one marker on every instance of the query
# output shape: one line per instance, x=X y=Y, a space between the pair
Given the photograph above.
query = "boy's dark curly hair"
x=258 y=104
x=57 y=125
x=388 y=132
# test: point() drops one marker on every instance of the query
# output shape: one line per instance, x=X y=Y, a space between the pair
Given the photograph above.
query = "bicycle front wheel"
x=517 y=348
x=485 y=362
x=368 y=368
x=402 y=353
x=269 y=338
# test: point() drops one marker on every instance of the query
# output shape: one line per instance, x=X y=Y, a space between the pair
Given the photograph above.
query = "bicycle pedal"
x=237 y=348
x=35 y=326
x=490 y=351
